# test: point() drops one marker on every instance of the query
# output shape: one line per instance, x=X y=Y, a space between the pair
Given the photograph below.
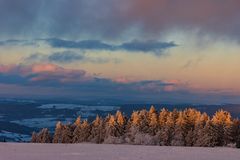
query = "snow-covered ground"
x=20 y=151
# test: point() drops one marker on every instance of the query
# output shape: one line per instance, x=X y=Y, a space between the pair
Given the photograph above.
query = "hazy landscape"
x=127 y=79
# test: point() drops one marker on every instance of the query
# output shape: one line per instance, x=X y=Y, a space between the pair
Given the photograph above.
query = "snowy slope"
x=20 y=151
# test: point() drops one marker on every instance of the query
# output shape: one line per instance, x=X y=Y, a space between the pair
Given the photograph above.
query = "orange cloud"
x=37 y=68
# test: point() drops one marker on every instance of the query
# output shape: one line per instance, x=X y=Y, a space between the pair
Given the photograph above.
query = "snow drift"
x=27 y=151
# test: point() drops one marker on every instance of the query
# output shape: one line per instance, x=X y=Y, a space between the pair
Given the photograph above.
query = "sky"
x=148 y=51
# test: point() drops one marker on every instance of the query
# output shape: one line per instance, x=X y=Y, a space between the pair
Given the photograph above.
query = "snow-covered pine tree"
x=97 y=130
x=132 y=127
x=67 y=134
x=135 y=118
x=57 y=138
x=112 y=132
x=121 y=124
x=167 y=131
x=44 y=136
x=237 y=132
x=77 y=134
x=34 y=137
x=189 y=138
x=192 y=116
x=153 y=121
x=223 y=123
x=198 y=128
x=82 y=132
x=144 y=125
x=179 y=131
x=77 y=121
x=111 y=127
x=163 y=117
x=86 y=131
x=208 y=136
x=175 y=114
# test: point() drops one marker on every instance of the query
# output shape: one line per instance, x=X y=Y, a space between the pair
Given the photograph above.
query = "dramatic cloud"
x=55 y=76
x=56 y=81
x=67 y=57
x=86 y=32
x=40 y=74
x=111 y=18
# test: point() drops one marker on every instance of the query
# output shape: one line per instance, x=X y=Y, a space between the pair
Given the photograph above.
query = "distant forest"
x=189 y=127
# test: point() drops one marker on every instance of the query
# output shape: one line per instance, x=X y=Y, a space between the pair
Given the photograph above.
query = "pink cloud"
x=46 y=72
x=5 y=68
x=38 y=68
x=124 y=80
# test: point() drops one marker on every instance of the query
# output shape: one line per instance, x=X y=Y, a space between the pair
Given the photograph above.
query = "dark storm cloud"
x=113 y=18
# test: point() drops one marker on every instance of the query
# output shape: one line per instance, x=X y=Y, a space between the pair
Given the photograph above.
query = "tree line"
x=189 y=127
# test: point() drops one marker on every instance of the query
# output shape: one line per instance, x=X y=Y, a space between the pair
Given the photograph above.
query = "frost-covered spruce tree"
x=138 y=129
x=198 y=128
x=111 y=127
x=67 y=134
x=179 y=131
x=132 y=127
x=189 y=140
x=97 y=130
x=44 y=136
x=121 y=124
x=237 y=133
x=77 y=134
x=112 y=133
x=192 y=116
x=208 y=136
x=76 y=129
x=163 y=117
x=57 y=138
x=153 y=121
x=86 y=131
x=144 y=123
x=167 y=130
x=77 y=121
x=223 y=123
x=34 y=137
x=82 y=132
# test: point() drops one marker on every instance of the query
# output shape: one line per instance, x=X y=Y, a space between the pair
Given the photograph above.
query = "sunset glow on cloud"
x=146 y=51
